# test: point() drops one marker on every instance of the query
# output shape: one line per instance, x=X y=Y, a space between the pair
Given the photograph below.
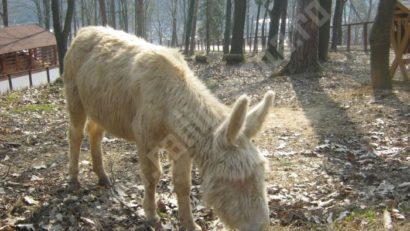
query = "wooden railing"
x=29 y=74
x=359 y=40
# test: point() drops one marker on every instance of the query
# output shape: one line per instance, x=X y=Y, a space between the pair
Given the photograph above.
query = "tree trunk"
x=5 y=14
x=264 y=26
x=189 y=26
x=208 y=15
x=39 y=12
x=112 y=11
x=238 y=27
x=304 y=58
x=75 y=21
x=140 y=18
x=255 y=41
x=46 y=5
x=282 y=34
x=174 y=37
x=103 y=12
x=124 y=15
x=380 y=45
x=61 y=33
x=185 y=17
x=83 y=21
x=193 y=31
x=337 y=24
x=95 y=11
x=227 y=34
x=247 y=24
x=292 y=21
x=324 y=31
x=275 y=14
x=354 y=10
x=369 y=11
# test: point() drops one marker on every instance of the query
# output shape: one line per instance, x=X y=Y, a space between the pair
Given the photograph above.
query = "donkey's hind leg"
x=95 y=135
x=75 y=137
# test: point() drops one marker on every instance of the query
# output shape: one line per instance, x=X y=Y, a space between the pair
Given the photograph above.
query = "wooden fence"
x=10 y=77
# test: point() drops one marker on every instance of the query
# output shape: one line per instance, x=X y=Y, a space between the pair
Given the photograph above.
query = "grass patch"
x=10 y=99
x=360 y=220
x=34 y=108
x=286 y=163
x=368 y=215
x=211 y=83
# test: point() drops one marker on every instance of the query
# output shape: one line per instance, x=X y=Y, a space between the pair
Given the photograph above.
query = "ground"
x=339 y=155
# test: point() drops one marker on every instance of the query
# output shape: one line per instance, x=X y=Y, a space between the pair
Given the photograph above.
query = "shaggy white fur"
x=147 y=94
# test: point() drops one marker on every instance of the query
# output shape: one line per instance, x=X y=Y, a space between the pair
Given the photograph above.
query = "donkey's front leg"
x=181 y=175
x=150 y=174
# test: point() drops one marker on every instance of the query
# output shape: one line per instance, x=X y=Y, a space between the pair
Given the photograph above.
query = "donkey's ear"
x=234 y=123
x=257 y=115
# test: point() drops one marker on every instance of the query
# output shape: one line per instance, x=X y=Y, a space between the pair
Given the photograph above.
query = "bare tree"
x=238 y=27
x=61 y=32
x=103 y=12
x=112 y=14
x=140 y=18
x=124 y=15
x=304 y=58
x=272 y=52
x=208 y=15
x=39 y=11
x=5 y=13
x=227 y=33
x=380 y=45
x=188 y=25
x=255 y=41
x=264 y=24
x=46 y=5
x=324 y=31
x=282 y=29
x=337 y=24
x=193 y=31
x=174 y=10
x=369 y=11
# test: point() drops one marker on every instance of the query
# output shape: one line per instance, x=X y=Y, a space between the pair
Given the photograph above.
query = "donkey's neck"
x=194 y=120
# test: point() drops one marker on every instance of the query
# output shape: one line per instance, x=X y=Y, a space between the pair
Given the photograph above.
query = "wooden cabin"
x=400 y=38
x=26 y=47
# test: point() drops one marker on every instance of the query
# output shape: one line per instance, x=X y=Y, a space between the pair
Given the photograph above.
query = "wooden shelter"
x=400 y=38
x=26 y=48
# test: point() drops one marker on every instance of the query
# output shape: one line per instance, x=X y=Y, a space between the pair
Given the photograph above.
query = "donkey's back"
x=109 y=75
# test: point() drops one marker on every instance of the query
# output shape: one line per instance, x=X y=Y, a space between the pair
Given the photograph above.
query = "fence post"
x=349 y=33
x=48 y=74
x=10 y=82
x=365 y=36
x=217 y=43
x=30 y=78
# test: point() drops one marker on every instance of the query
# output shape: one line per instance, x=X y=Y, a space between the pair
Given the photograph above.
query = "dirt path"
x=338 y=155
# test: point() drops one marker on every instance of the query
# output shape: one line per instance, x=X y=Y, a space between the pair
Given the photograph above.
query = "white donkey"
x=147 y=94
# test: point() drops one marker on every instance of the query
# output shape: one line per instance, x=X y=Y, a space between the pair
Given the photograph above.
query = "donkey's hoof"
x=104 y=182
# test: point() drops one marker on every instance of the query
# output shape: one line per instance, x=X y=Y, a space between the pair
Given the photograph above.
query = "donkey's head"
x=234 y=180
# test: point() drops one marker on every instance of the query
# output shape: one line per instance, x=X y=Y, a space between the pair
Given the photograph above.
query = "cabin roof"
x=405 y=3
x=402 y=7
x=16 y=38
